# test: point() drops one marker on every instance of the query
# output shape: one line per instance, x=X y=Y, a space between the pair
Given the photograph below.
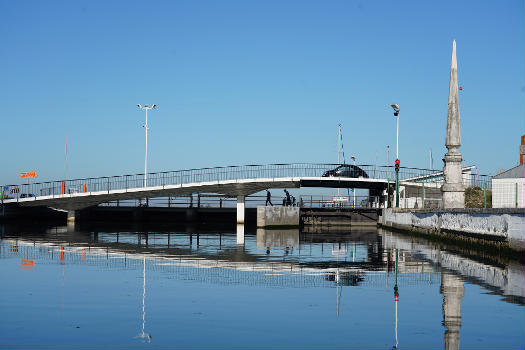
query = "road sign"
x=340 y=199
x=28 y=174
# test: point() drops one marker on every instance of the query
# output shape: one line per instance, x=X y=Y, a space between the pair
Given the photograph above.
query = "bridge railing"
x=216 y=174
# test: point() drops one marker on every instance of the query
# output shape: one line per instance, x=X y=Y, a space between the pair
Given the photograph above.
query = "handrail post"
x=423 y=197
x=484 y=195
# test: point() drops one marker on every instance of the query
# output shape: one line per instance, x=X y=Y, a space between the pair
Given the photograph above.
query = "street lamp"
x=355 y=170
x=146 y=108
x=396 y=109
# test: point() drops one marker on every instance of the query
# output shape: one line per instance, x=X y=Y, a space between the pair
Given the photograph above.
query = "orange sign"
x=28 y=174
x=26 y=263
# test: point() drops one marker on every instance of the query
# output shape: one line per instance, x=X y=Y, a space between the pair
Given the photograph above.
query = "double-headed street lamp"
x=146 y=108
x=396 y=109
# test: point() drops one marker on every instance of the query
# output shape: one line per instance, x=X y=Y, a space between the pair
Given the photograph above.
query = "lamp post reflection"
x=339 y=291
x=396 y=298
x=144 y=336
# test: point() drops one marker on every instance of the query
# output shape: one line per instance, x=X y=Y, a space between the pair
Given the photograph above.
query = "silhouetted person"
x=268 y=198
x=288 y=200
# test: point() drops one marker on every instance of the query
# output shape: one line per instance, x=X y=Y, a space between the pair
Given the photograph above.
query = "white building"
x=508 y=188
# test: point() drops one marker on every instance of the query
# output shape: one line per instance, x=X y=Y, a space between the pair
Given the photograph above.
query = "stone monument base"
x=453 y=196
x=453 y=191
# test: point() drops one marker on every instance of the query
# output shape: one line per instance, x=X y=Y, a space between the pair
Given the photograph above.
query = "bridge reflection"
x=293 y=258
x=280 y=258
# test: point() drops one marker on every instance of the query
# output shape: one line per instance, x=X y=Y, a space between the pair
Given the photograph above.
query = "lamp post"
x=396 y=109
x=353 y=158
x=338 y=152
x=387 y=177
x=146 y=108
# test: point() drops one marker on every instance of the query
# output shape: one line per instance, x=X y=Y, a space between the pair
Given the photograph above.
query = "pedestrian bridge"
x=235 y=181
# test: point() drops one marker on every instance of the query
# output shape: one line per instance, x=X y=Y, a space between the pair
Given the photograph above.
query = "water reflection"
x=367 y=260
x=453 y=289
x=396 y=298
x=143 y=335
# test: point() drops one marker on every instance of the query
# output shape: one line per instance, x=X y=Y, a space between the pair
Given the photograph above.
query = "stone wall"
x=277 y=216
x=505 y=225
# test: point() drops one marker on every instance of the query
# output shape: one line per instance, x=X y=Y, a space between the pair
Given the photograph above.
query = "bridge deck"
x=240 y=187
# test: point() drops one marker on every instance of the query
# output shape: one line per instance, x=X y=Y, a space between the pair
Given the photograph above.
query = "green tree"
x=474 y=198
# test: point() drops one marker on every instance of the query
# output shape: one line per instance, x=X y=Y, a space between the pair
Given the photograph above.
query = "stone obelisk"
x=453 y=190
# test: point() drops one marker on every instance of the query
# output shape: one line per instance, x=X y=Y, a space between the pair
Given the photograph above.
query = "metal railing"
x=216 y=174
x=221 y=201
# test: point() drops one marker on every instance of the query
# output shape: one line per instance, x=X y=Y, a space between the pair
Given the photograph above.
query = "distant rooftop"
x=514 y=173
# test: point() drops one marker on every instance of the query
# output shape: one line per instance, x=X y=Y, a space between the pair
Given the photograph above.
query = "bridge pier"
x=240 y=234
x=72 y=219
x=240 y=209
x=71 y=216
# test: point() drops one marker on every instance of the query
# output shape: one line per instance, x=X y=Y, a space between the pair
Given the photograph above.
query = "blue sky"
x=254 y=82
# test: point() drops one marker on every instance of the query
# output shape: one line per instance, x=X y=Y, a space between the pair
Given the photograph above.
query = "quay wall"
x=342 y=218
x=504 y=227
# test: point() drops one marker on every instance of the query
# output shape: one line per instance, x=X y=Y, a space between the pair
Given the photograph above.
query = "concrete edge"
x=491 y=241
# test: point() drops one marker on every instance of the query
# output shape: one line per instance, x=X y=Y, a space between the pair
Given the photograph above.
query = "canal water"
x=356 y=289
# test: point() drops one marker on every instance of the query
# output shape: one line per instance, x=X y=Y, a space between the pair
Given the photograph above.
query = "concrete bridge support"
x=240 y=209
x=72 y=219
x=240 y=234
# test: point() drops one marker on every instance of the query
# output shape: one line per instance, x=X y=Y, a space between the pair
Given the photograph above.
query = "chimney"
x=522 y=149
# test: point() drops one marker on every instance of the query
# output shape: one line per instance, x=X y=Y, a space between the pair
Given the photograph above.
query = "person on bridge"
x=288 y=200
x=268 y=198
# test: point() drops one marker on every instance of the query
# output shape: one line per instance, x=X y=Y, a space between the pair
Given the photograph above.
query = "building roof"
x=514 y=173
x=436 y=177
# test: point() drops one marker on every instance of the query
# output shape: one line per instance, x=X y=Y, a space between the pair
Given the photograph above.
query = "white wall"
x=504 y=193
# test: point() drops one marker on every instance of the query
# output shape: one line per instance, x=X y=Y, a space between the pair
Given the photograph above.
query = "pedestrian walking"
x=288 y=200
x=268 y=198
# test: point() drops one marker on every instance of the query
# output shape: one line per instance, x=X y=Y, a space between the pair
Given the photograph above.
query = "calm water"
x=280 y=290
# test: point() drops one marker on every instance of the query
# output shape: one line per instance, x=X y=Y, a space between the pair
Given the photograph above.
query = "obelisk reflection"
x=453 y=290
